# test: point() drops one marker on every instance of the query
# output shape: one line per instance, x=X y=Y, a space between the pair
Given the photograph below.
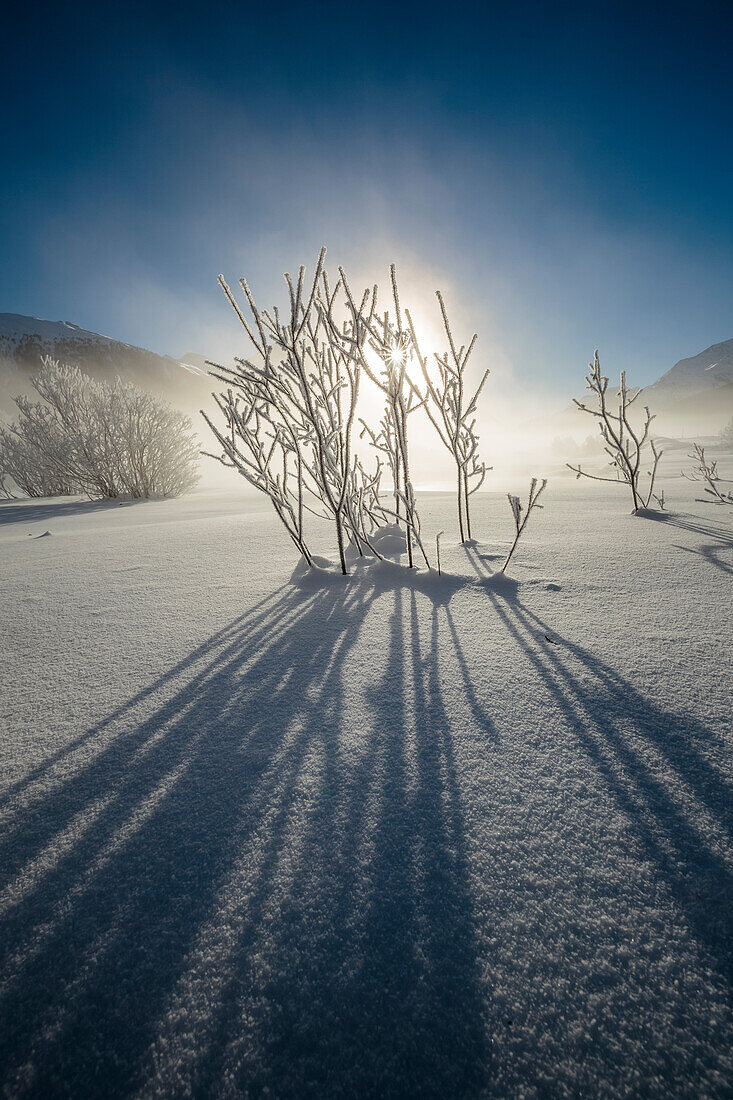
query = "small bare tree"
x=521 y=515
x=706 y=471
x=622 y=442
x=453 y=416
x=289 y=412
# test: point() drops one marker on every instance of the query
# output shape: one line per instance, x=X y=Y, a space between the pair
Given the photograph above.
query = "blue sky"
x=563 y=171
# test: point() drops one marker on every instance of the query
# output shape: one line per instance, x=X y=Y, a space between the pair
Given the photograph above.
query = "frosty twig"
x=520 y=519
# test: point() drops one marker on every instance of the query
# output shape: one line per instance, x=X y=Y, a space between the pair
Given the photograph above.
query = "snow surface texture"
x=366 y=836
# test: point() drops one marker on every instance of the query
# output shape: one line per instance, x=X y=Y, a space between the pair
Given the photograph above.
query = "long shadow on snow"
x=647 y=756
x=239 y=868
x=712 y=552
x=36 y=512
x=694 y=524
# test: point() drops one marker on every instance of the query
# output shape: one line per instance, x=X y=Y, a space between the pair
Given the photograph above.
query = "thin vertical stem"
x=468 y=512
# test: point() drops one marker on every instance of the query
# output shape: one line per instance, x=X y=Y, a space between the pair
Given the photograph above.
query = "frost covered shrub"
x=104 y=439
x=623 y=443
x=289 y=411
x=706 y=471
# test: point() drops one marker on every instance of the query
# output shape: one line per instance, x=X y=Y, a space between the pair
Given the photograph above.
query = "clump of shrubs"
x=102 y=439
x=289 y=418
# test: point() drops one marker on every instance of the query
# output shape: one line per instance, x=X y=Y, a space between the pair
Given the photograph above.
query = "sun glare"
x=398 y=356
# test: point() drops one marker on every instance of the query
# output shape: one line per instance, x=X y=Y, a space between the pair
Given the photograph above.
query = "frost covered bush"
x=706 y=471
x=103 y=439
x=623 y=443
x=290 y=411
x=289 y=415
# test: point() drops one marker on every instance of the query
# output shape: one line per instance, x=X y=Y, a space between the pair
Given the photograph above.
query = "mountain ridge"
x=25 y=340
x=709 y=369
x=701 y=385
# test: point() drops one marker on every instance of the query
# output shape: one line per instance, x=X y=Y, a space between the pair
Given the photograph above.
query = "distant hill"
x=710 y=370
x=694 y=397
x=24 y=340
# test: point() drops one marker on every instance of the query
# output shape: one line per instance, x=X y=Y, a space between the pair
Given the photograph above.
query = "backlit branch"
x=622 y=443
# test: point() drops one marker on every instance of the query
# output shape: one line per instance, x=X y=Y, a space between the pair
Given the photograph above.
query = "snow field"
x=371 y=836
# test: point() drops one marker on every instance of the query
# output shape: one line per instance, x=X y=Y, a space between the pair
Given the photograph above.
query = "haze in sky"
x=561 y=171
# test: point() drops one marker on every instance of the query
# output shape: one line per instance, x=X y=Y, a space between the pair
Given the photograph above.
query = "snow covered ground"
x=374 y=837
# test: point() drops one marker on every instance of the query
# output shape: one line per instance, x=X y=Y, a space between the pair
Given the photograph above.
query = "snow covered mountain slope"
x=24 y=340
x=15 y=327
x=709 y=370
x=694 y=397
x=194 y=362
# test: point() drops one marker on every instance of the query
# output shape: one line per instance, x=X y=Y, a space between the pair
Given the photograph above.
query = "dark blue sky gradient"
x=567 y=169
